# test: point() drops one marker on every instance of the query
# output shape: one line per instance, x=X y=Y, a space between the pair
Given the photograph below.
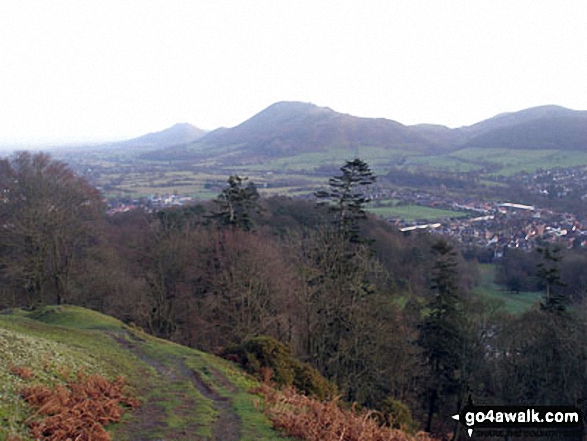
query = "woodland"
x=389 y=320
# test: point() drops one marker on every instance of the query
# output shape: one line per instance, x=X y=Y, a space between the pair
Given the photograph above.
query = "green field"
x=515 y=303
x=442 y=162
x=415 y=212
x=505 y=162
x=377 y=157
x=511 y=162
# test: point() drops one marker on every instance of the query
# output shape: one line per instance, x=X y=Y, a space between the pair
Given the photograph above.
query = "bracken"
x=79 y=410
x=314 y=420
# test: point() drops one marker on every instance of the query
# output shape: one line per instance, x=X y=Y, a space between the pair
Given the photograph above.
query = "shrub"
x=265 y=355
x=308 y=380
x=398 y=415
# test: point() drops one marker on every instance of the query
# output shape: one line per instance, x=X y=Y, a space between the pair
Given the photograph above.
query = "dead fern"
x=79 y=410
x=313 y=420
x=21 y=371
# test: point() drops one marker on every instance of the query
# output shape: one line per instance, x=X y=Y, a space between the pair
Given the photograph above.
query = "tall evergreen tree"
x=236 y=203
x=441 y=332
x=548 y=274
x=346 y=197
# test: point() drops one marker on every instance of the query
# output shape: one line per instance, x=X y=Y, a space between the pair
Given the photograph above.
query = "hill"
x=177 y=134
x=542 y=128
x=185 y=394
x=289 y=129
x=510 y=119
x=293 y=128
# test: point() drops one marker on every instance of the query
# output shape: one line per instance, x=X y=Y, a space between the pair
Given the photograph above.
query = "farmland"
x=128 y=175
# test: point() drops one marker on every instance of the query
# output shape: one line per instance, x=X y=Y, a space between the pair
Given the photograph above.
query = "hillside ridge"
x=290 y=128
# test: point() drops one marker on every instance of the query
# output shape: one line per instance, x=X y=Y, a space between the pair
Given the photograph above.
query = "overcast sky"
x=96 y=70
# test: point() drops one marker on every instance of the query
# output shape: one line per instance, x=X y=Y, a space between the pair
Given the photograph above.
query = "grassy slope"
x=68 y=338
x=515 y=303
x=515 y=161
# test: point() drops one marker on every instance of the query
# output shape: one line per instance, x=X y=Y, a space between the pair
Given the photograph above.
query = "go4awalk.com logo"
x=551 y=421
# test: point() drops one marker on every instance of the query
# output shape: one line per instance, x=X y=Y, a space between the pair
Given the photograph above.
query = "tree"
x=335 y=308
x=548 y=273
x=46 y=220
x=441 y=332
x=243 y=288
x=541 y=359
x=236 y=203
x=347 y=198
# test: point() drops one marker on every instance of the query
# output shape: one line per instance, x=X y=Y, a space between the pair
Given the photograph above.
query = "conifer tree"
x=548 y=274
x=442 y=330
x=346 y=197
x=236 y=202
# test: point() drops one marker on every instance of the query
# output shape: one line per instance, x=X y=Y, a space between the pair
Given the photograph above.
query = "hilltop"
x=293 y=127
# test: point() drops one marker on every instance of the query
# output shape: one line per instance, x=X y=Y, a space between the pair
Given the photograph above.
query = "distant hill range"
x=291 y=128
x=177 y=135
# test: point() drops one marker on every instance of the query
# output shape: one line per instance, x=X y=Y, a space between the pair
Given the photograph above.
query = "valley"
x=259 y=263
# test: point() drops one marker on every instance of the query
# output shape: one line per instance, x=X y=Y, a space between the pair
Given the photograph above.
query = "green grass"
x=53 y=337
x=443 y=162
x=515 y=303
x=47 y=349
x=75 y=317
x=505 y=161
x=415 y=212
x=515 y=161
x=377 y=158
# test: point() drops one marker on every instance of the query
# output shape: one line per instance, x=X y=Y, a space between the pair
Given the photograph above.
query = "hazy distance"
x=77 y=72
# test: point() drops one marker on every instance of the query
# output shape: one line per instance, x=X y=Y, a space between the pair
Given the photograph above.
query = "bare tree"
x=45 y=221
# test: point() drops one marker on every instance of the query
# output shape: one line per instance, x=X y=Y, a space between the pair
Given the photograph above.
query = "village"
x=504 y=224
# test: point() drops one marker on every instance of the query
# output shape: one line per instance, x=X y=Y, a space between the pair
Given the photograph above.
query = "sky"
x=87 y=71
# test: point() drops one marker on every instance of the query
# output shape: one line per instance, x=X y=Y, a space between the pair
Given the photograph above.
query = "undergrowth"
x=78 y=410
x=307 y=418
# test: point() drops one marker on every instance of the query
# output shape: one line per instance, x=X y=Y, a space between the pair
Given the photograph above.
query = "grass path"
x=185 y=394
x=151 y=418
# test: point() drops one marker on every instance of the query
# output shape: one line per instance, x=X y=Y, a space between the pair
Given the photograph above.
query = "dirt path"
x=152 y=417
x=227 y=425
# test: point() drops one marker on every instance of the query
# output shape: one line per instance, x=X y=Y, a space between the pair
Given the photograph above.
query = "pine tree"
x=236 y=203
x=346 y=197
x=441 y=332
x=548 y=274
